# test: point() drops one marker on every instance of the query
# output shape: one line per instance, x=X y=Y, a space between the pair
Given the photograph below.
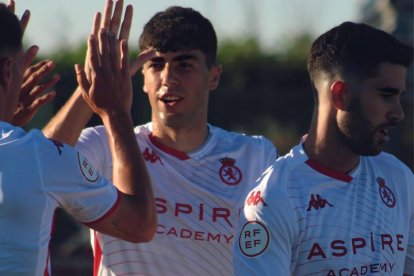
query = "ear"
x=144 y=88
x=215 y=73
x=337 y=90
x=5 y=71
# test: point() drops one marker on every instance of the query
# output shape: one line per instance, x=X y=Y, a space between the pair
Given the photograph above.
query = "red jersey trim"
x=108 y=213
x=179 y=154
x=97 y=256
x=328 y=172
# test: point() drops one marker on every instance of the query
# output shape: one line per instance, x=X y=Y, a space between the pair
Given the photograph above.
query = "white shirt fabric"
x=303 y=219
x=37 y=176
x=198 y=197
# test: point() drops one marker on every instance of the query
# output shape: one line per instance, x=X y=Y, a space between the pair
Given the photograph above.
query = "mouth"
x=170 y=100
x=385 y=133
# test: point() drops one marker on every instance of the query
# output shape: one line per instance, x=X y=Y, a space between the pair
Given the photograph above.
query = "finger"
x=103 y=47
x=39 y=89
x=32 y=70
x=96 y=23
x=11 y=5
x=126 y=24
x=24 y=21
x=106 y=22
x=36 y=73
x=124 y=57
x=116 y=17
x=113 y=51
x=139 y=61
x=30 y=55
x=40 y=101
x=81 y=79
x=93 y=54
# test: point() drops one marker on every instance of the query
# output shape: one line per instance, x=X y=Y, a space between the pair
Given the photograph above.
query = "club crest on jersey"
x=386 y=194
x=87 y=169
x=229 y=173
x=254 y=239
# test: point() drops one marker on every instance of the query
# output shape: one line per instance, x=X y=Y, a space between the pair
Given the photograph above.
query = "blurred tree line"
x=260 y=92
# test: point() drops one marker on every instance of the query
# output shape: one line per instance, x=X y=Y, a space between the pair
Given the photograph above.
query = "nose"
x=397 y=112
x=169 y=76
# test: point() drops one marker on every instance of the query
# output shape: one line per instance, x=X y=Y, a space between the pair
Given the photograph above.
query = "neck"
x=324 y=146
x=184 y=139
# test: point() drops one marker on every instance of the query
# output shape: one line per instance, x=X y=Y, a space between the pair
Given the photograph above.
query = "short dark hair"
x=357 y=49
x=179 y=28
x=10 y=30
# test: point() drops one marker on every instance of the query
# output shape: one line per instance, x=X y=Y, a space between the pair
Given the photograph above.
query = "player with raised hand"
x=200 y=172
x=39 y=175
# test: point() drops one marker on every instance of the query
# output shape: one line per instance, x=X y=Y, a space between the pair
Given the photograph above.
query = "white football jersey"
x=304 y=219
x=37 y=176
x=198 y=198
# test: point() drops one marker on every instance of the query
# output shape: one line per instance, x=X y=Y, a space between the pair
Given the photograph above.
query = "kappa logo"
x=151 y=156
x=229 y=173
x=255 y=198
x=386 y=194
x=317 y=202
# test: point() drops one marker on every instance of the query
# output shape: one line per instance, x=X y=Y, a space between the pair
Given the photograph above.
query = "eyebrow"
x=391 y=90
x=177 y=58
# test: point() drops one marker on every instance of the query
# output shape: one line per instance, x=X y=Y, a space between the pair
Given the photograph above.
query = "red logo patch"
x=229 y=173
x=386 y=194
x=255 y=198
x=151 y=156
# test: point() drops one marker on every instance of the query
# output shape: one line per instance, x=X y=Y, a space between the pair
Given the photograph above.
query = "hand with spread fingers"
x=32 y=95
x=108 y=89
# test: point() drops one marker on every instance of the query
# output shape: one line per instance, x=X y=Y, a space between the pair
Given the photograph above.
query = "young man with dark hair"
x=336 y=204
x=38 y=175
x=200 y=172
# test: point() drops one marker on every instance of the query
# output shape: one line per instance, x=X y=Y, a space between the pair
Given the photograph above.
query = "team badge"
x=386 y=194
x=87 y=169
x=254 y=239
x=229 y=173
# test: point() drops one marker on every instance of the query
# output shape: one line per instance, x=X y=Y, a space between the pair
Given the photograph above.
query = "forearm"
x=130 y=175
x=71 y=119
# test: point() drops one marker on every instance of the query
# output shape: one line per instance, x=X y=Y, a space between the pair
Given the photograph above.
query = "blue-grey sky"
x=58 y=23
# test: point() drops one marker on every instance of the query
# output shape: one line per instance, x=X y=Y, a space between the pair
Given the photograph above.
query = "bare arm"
x=109 y=93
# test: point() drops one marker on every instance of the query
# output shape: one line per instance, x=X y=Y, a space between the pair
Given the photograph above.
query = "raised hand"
x=109 y=88
x=32 y=95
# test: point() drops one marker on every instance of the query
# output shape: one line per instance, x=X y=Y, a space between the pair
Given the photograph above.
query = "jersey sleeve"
x=71 y=180
x=266 y=231
x=93 y=144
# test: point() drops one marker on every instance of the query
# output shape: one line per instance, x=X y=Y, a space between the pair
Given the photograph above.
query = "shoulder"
x=388 y=162
x=256 y=142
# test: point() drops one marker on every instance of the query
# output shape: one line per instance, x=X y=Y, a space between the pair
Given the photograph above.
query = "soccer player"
x=38 y=175
x=200 y=172
x=336 y=204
